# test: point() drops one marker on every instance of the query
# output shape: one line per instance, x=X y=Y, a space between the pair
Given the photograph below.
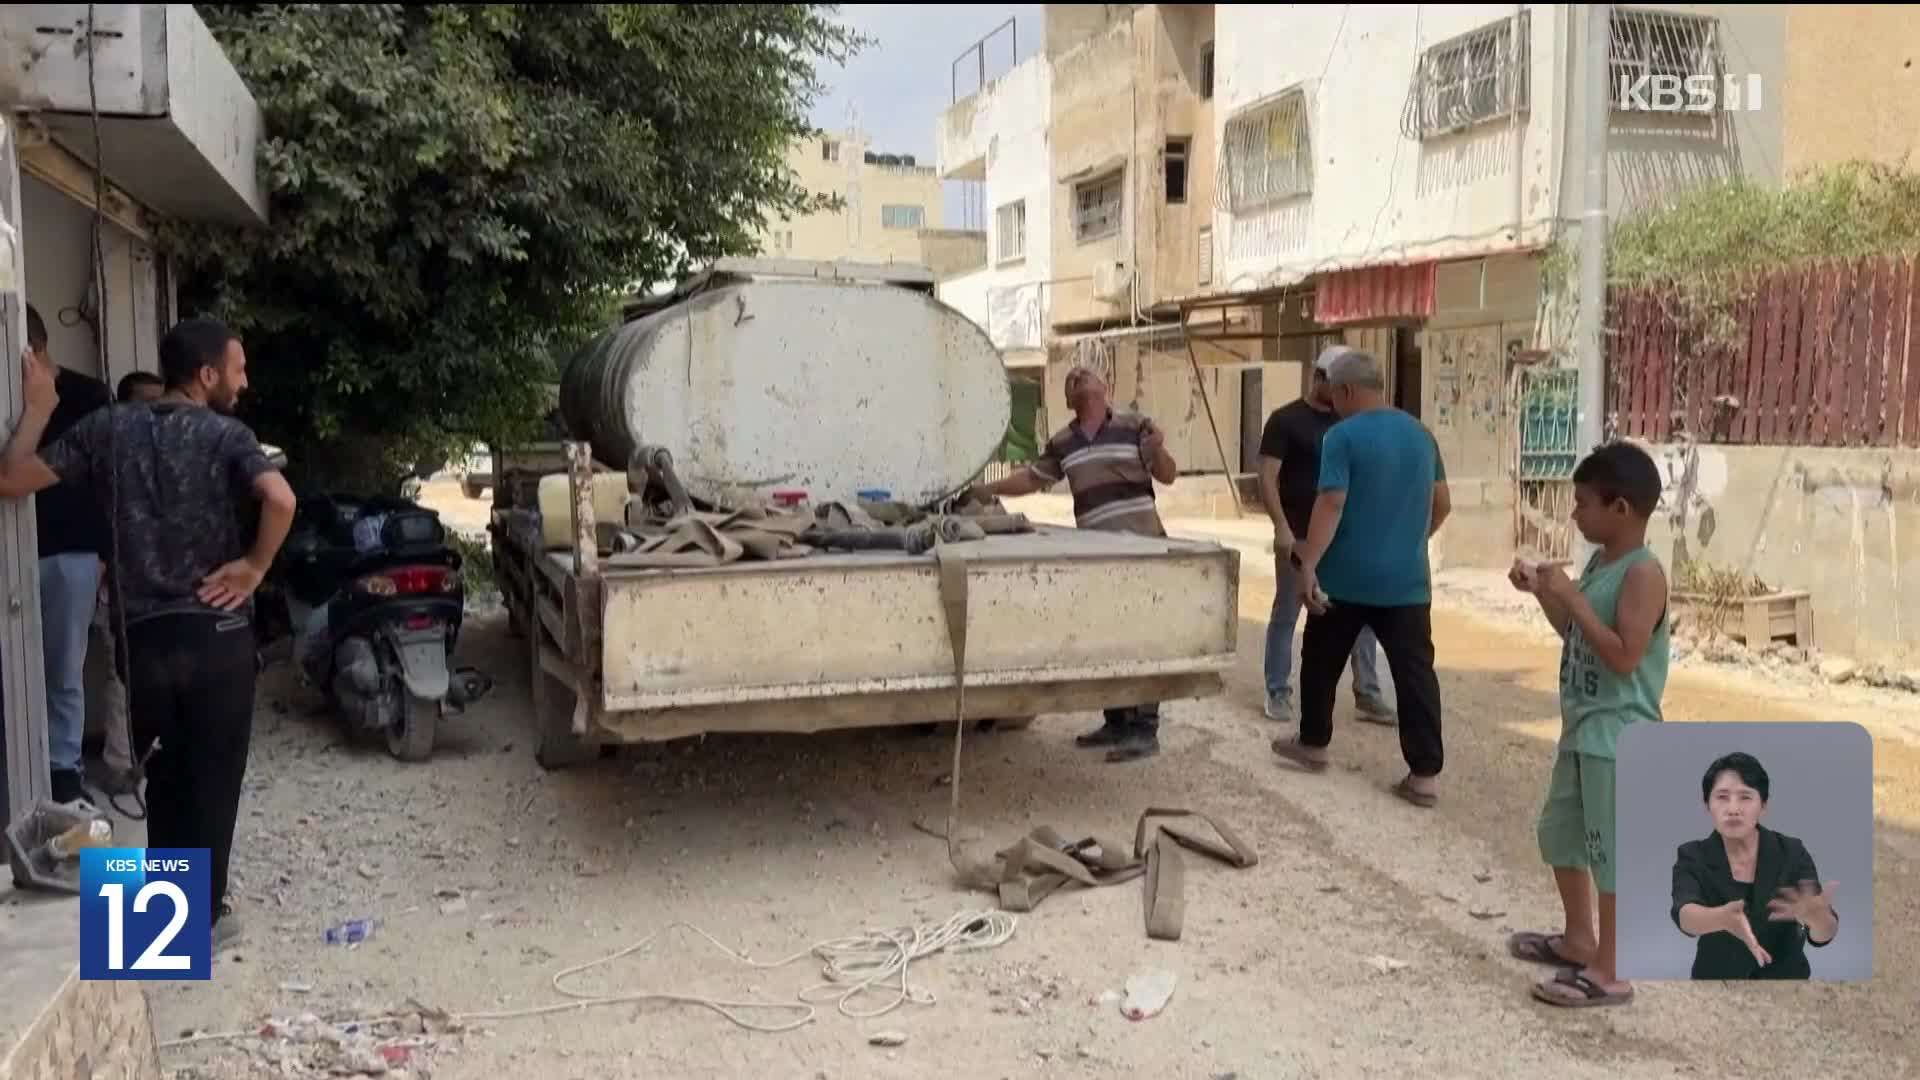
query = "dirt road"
x=772 y=844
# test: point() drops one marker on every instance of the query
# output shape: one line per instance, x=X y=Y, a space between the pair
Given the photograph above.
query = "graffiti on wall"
x=1015 y=317
x=1466 y=379
x=1691 y=478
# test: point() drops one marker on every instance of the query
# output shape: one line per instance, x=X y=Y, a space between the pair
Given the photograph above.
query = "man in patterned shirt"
x=1110 y=461
x=201 y=512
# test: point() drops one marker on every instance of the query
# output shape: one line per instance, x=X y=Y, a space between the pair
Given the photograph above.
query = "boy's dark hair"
x=36 y=329
x=1745 y=766
x=1621 y=470
x=133 y=379
x=190 y=346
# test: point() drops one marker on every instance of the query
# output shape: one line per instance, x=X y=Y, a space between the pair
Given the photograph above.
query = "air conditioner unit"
x=1113 y=282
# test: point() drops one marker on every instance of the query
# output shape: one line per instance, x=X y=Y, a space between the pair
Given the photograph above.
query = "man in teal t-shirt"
x=1363 y=565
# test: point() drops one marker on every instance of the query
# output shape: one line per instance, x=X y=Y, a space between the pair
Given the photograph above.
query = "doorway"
x=1253 y=418
x=1407 y=387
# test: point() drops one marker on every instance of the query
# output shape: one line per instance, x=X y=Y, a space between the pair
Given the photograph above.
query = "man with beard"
x=183 y=482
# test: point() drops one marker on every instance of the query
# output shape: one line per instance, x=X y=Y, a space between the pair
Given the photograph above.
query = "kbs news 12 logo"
x=1697 y=94
x=146 y=913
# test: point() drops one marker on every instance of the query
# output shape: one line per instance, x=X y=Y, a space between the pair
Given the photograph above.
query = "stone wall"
x=1841 y=524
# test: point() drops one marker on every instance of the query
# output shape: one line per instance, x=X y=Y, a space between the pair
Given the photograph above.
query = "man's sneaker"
x=1373 y=710
x=68 y=787
x=226 y=927
x=1106 y=735
x=1280 y=709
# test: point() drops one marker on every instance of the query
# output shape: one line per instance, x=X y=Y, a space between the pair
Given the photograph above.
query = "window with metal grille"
x=1206 y=72
x=902 y=216
x=1653 y=50
x=829 y=150
x=1097 y=207
x=1175 y=166
x=1479 y=76
x=1267 y=153
x=1010 y=232
x=1205 y=276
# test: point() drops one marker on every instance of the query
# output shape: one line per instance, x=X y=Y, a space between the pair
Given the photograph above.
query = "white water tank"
x=758 y=383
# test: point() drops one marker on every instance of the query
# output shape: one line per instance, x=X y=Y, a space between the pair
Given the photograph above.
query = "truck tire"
x=557 y=746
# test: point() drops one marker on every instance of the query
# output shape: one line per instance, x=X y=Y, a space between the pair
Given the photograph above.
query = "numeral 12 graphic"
x=150 y=904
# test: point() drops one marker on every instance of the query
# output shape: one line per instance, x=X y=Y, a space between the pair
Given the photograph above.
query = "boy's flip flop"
x=1592 y=994
x=1538 y=948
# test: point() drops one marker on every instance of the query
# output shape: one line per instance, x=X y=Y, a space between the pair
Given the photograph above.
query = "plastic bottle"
x=67 y=845
x=351 y=932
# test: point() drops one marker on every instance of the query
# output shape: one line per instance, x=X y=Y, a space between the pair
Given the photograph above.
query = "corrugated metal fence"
x=1822 y=355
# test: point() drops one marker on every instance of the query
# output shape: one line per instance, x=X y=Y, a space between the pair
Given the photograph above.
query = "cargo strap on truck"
x=1042 y=862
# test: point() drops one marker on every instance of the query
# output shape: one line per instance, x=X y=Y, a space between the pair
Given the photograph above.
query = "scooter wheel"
x=410 y=737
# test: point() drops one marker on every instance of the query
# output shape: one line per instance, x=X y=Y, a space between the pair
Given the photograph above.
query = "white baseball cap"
x=1328 y=355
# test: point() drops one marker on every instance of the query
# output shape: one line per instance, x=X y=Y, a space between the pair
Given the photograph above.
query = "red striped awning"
x=1374 y=292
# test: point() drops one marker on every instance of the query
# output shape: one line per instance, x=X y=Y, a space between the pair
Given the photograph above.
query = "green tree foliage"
x=460 y=194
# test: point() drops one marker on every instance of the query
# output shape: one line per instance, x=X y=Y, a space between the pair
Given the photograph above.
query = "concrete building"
x=177 y=134
x=1853 y=85
x=890 y=212
x=1232 y=187
x=998 y=139
x=1406 y=167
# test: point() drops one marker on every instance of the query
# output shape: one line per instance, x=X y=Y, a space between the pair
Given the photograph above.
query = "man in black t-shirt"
x=1289 y=484
x=73 y=540
x=185 y=481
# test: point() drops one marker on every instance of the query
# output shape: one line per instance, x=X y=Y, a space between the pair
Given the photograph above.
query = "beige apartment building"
x=890 y=212
x=1853 y=88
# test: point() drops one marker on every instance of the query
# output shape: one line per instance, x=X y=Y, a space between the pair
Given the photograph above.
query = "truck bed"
x=1059 y=620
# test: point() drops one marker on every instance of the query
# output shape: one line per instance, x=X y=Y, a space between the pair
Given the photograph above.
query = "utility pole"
x=1589 y=418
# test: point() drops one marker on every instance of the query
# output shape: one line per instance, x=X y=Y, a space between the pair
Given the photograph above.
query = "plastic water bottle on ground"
x=351 y=932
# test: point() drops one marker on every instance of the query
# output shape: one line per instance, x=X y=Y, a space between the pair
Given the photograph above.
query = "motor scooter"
x=374 y=601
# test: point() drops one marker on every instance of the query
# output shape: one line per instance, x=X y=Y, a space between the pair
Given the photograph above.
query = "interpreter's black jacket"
x=1701 y=875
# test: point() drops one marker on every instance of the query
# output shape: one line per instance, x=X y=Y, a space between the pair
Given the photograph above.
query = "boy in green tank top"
x=1613 y=670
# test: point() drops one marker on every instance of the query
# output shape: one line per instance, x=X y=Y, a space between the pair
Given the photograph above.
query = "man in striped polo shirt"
x=1110 y=461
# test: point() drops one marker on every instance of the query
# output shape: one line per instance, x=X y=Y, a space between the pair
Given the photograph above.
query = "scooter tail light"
x=409 y=581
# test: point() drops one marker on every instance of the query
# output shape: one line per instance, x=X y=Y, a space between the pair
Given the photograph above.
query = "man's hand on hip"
x=230 y=586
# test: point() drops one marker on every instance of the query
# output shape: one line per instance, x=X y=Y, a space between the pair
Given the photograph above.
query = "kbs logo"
x=1700 y=94
x=145 y=913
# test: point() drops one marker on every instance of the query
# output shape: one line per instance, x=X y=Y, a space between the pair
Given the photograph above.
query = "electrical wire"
x=873 y=962
x=116 y=601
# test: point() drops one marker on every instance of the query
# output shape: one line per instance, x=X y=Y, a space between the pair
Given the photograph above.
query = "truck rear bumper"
x=897 y=707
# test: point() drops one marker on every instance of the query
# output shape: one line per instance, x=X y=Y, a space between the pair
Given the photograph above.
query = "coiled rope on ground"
x=871 y=963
